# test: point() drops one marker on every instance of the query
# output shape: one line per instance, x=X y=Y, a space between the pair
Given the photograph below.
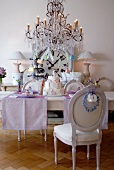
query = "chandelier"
x=54 y=33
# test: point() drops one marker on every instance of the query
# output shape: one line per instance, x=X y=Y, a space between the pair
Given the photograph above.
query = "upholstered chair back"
x=73 y=85
x=34 y=84
x=87 y=108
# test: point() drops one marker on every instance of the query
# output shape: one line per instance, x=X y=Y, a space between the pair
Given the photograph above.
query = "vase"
x=19 y=87
x=0 y=80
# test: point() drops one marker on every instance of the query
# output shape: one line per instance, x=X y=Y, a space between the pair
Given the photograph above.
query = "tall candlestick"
x=44 y=23
x=38 y=20
x=59 y=17
x=75 y=24
x=28 y=28
x=80 y=30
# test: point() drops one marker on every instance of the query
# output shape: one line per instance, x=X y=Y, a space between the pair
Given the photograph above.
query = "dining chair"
x=34 y=84
x=72 y=85
x=86 y=109
x=106 y=84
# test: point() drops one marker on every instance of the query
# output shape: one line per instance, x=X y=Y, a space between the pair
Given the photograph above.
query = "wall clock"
x=59 y=63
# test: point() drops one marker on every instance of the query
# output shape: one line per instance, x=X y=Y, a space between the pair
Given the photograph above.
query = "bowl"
x=71 y=92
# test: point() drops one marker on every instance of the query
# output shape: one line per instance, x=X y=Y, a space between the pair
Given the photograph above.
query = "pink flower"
x=2 y=72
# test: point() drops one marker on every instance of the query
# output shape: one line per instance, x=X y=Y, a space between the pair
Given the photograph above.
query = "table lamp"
x=17 y=55
x=86 y=56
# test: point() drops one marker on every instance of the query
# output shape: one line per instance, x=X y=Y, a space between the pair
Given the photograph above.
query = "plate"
x=59 y=95
x=26 y=96
x=23 y=95
x=71 y=95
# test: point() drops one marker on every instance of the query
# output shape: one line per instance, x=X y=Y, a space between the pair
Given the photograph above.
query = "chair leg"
x=74 y=157
x=24 y=132
x=41 y=132
x=55 y=148
x=88 y=151
x=98 y=156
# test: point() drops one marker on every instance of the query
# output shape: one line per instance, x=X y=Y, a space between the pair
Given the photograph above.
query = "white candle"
x=44 y=23
x=80 y=30
x=39 y=61
x=28 y=28
x=59 y=17
x=75 y=24
x=38 y=20
x=71 y=27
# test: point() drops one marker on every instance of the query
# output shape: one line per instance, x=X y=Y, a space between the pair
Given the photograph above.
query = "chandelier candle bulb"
x=59 y=17
x=75 y=24
x=44 y=23
x=80 y=30
x=71 y=27
x=38 y=20
x=39 y=61
x=28 y=28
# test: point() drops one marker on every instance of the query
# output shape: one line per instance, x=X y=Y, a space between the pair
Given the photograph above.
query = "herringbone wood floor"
x=33 y=153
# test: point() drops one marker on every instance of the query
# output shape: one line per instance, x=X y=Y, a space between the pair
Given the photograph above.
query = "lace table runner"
x=24 y=113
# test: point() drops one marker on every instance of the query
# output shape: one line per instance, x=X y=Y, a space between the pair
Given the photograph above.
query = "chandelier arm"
x=28 y=35
x=76 y=39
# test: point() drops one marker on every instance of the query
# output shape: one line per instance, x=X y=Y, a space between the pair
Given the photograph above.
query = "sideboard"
x=8 y=87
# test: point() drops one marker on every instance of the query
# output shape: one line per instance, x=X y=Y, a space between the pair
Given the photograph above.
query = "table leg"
x=45 y=137
x=41 y=132
x=19 y=135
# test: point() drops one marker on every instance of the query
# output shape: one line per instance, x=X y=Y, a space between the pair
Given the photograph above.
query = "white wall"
x=95 y=16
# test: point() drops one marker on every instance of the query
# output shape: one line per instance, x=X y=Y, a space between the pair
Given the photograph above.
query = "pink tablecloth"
x=24 y=113
x=66 y=115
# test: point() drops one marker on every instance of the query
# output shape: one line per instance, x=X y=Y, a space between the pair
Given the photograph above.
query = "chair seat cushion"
x=65 y=131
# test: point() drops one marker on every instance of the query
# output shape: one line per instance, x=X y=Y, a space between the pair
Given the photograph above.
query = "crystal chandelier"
x=54 y=33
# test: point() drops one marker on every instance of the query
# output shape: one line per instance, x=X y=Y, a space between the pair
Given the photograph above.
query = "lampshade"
x=86 y=55
x=17 y=55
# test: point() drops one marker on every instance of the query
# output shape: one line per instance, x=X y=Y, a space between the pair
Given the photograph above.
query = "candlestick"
x=42 y=86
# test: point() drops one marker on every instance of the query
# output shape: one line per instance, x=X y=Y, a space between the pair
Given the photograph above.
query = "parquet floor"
x=33 y=153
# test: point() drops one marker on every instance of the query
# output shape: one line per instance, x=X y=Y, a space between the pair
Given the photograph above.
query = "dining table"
x=56 y=102
x=52 y=103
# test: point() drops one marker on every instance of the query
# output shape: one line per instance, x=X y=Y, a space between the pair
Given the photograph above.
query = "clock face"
x=60 y=63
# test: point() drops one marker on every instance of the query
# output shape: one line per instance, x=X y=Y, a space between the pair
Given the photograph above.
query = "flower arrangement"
x=2 y=72
x=18 y=81
x=94 y=81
